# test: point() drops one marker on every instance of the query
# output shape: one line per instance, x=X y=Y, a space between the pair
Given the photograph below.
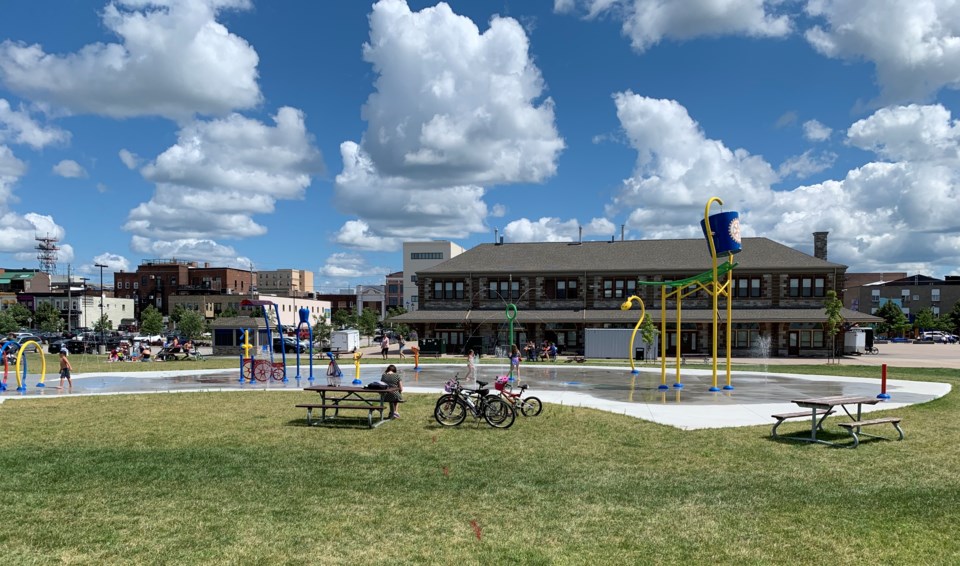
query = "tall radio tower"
x=47 y=254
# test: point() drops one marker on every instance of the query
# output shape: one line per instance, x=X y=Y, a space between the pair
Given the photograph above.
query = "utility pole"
x=69 y=301
x=103 y=344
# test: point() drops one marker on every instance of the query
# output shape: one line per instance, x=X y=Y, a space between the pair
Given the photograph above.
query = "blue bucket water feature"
x=726 y=232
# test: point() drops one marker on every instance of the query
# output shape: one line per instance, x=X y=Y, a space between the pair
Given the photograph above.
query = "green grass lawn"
x=210 y=478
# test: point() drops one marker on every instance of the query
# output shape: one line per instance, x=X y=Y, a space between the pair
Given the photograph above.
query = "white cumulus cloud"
x=678 y=167
x=647 y=22
x=350 y=266
x=131 y=160
x=815 y=131
x=806 y=164
x=17 y=126
x=191 y=249
x=70 y=169
x=455 y=110
x=173 y=59
x=549 y=229
x=903 y=208
x=113 y=262
x=914 y=44
x=221 y=173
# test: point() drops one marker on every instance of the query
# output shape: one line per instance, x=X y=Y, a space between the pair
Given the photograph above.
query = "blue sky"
x=321 y=135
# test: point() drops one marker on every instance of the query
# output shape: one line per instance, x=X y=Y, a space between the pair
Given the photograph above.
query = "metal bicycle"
x=528 y=406
x=452 y=407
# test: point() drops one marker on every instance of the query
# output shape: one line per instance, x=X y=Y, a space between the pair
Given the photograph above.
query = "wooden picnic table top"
x=834 y=400
x=347 y=389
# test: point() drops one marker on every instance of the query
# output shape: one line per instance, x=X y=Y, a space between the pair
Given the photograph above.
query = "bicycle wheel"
x=276 y=373
x=247 y=369
x=262 y=370
x=530 y=406
x=498 y=413
x=874 y=351
x=449 y=411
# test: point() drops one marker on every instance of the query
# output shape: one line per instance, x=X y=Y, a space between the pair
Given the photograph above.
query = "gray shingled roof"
x=630 y=316
x=629 y=256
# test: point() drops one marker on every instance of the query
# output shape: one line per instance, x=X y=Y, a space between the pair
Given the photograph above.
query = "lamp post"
x=103 y=345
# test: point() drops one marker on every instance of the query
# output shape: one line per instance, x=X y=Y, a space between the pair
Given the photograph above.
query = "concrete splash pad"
x=756 y=395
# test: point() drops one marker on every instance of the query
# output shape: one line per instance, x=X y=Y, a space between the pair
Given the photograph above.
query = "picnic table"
x=336 y=398
x=822 y=407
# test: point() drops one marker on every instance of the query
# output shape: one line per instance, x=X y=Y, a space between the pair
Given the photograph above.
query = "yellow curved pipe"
x=643 y=312
x=43 y=362
x=713 y=258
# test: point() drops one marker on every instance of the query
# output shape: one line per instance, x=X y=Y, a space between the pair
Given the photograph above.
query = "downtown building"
x=561 y=289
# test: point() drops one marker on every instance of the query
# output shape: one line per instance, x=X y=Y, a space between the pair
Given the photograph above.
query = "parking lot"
x=927 y=354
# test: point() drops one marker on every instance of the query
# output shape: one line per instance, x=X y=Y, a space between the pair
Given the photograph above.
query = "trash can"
x=638 y=354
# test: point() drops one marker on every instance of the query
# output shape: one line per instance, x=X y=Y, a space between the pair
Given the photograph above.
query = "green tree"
x=321 y=330
x=103 y=324
x=21 y=314
x=648 y=331
x=48 y=318
x=367 y=322
x=398 y=327
x=151 y=321
x=833 y=307
x=925 y=320
x=7 y=323
x=954 y=318
x=894 y=321
x=228 y=312
x=177 y=314
x=191 y=324
x=344 y=318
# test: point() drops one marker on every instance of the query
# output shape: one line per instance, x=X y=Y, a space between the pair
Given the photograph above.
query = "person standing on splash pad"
x=471 y=366
x=515 y=361
x=65 y=368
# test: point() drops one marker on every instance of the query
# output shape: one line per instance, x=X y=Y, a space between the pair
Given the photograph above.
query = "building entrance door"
x=793 y=343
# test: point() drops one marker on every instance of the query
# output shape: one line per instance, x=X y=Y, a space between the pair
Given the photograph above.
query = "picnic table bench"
x=336 y=398
x=799 y=414
x=702 y=358
x=854 y=427
x=821 y=407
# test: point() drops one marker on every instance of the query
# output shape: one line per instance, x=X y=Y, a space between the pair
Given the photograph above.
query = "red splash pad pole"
x=883 y=383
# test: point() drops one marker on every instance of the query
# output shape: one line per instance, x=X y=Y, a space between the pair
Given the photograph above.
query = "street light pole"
x=103 y=343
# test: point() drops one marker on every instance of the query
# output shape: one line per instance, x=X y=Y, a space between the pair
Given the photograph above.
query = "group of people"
x=121 y=353
x=547 y=351
x=385 y=346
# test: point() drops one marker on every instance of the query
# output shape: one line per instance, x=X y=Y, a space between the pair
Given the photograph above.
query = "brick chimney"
x=820 y=245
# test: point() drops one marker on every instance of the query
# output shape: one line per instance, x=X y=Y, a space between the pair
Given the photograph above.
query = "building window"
x=746 y=287
x=135 y=285
x=426 y=255
x=448 y=289
x=807 y=286
x=745 y=335
x=560 y=288
x=810 y=335
x=503 y=289
x=127 y=284
x=413 y=278
x=119 y=284
x=935 y=295
x=875 y=295
x=392 y=289
x=619 y=288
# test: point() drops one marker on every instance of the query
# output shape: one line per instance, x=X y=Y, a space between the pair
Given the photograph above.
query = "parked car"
x=934 y=336
x=152 y=339
x=22 y=337
x=72 y=345
x=289 y=344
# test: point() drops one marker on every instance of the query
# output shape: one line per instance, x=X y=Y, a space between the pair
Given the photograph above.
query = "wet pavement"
x=755 y=395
